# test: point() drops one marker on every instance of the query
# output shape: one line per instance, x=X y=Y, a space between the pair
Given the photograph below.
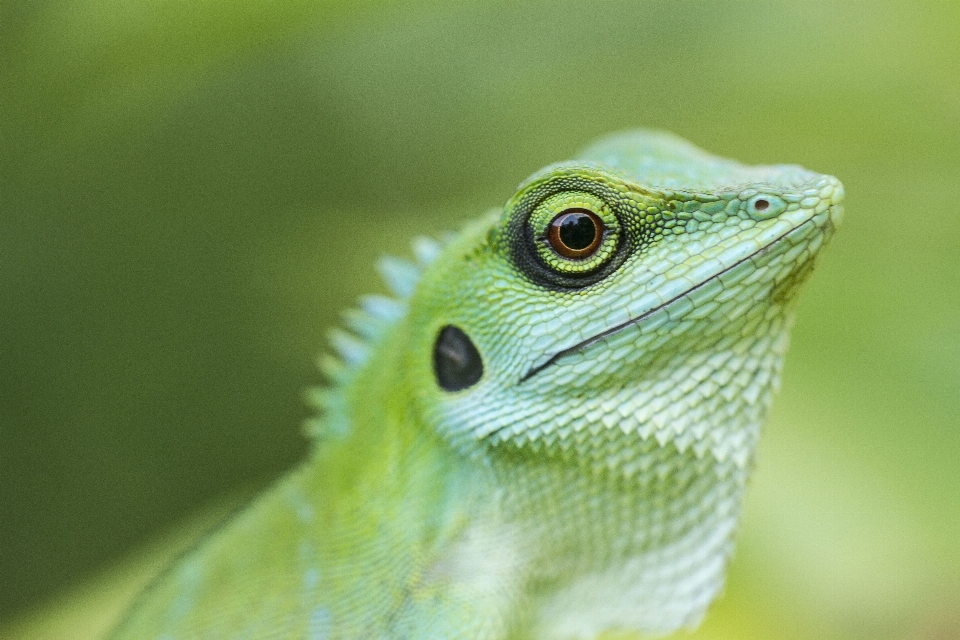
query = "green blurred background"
x=191 y=190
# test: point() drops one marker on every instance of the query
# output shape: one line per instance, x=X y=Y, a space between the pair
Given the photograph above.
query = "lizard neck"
x=412 y=541
x=633 y=527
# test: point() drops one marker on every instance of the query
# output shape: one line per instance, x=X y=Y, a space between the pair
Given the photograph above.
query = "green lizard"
x=547 y=433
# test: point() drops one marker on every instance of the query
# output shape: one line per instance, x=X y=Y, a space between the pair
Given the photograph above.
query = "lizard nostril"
x=765 y=206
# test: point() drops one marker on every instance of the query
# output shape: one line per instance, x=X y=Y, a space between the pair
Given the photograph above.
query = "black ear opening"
x=456 y=361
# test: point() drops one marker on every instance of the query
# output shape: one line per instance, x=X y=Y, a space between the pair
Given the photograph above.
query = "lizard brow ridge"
x=646 y=314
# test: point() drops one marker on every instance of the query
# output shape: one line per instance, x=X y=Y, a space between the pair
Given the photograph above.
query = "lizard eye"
x=574 y=233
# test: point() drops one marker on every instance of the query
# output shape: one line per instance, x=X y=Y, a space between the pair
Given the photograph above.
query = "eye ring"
x=576 y=233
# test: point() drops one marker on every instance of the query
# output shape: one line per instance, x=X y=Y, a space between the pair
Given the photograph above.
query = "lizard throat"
x=646 y=314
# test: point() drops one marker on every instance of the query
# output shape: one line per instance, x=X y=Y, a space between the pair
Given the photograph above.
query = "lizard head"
x=639 y=296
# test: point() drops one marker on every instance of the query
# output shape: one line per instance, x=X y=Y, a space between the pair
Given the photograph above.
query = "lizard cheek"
x=456 y=361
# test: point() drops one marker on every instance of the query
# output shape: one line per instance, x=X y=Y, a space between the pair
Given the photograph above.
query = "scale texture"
x=523 y=444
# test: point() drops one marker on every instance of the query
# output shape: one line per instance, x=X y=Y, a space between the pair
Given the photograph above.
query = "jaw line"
x=646 y=314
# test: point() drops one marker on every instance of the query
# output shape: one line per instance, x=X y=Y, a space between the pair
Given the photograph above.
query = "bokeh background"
x=191 y=190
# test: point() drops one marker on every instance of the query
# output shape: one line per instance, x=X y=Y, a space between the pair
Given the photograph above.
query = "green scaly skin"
x=591 y=479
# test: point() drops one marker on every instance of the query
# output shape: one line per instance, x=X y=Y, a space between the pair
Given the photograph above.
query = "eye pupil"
x=576 y=233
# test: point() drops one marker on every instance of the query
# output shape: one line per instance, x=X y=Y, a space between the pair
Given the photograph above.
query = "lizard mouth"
x=646 y=314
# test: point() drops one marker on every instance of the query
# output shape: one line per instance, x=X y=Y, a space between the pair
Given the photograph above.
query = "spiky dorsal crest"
x=363 y=328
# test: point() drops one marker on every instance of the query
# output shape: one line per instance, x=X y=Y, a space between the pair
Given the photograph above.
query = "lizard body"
x=547 y=432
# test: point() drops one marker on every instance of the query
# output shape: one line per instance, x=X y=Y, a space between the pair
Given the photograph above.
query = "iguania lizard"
x=547 y=432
